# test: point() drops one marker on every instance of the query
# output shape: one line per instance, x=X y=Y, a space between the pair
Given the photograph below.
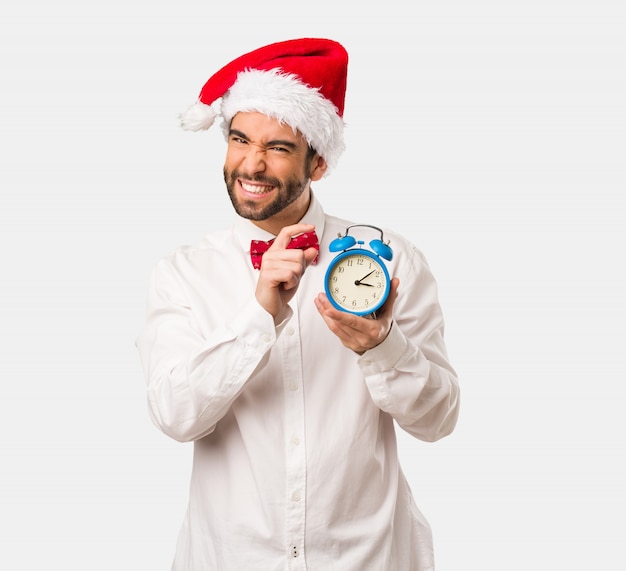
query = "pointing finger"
x=288 y=232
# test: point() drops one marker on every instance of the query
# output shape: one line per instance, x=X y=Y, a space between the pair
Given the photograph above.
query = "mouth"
x=255 y=189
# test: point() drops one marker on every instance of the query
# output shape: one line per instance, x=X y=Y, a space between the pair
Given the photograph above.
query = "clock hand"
x=360 y=282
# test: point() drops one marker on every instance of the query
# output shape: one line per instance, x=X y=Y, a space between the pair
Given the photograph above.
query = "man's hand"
x=356 y=332
x=282 y=270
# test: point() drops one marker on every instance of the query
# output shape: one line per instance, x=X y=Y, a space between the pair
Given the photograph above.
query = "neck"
x=292 y=214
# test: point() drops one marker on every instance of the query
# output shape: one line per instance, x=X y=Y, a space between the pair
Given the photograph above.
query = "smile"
x=255 y=188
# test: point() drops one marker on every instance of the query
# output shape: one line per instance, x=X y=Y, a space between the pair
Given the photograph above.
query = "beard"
x=287 y=192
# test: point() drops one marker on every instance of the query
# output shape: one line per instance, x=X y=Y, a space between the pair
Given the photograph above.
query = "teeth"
x=254 y=188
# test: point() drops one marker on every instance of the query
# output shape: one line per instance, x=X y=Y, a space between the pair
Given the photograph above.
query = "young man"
x=290 y=402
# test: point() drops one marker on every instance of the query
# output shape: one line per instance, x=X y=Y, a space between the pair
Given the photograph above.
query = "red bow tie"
x=302 y=241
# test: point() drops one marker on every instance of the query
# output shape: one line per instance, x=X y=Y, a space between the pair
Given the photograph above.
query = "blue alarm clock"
x=357 y=280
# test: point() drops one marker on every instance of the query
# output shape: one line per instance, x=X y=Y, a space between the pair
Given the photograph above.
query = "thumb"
x=310 y=255
x=387 y=308
x=393 y=293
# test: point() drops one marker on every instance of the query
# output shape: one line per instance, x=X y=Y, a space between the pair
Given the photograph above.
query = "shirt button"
x=295 y=440
x=290 y=331
x=295 y=497
x=367 y=362
x=293 y=386
x=266 y=338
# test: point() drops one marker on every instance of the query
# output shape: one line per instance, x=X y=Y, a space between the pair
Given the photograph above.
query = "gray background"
x=492 y=134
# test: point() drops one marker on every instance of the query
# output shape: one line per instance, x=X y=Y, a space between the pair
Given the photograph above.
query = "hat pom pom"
x=198 y=117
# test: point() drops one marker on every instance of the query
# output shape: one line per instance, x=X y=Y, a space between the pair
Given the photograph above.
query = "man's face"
x=268 y=169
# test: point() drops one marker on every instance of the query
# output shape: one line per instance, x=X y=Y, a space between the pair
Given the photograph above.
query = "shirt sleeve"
x=192 y=379
x=409 y=375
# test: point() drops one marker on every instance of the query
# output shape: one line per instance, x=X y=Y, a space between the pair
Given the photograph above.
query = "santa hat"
x=299 y=82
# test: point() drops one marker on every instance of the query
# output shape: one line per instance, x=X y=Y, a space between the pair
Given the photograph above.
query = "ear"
x=318 y=168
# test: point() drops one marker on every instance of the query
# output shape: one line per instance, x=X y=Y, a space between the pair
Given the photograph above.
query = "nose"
x=254 y=159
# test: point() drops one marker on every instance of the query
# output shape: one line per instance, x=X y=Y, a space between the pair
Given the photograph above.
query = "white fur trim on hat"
x=285 y=98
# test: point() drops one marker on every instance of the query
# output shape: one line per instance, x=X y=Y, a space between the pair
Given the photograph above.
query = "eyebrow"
x=274 y=143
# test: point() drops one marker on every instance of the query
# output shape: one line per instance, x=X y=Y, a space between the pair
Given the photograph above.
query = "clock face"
x=357 y=282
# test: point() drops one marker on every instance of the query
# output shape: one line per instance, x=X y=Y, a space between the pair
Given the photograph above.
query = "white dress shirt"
x=295 y=460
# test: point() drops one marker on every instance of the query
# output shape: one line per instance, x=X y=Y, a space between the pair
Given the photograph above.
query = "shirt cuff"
x=256 y=327
x=385 y=356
